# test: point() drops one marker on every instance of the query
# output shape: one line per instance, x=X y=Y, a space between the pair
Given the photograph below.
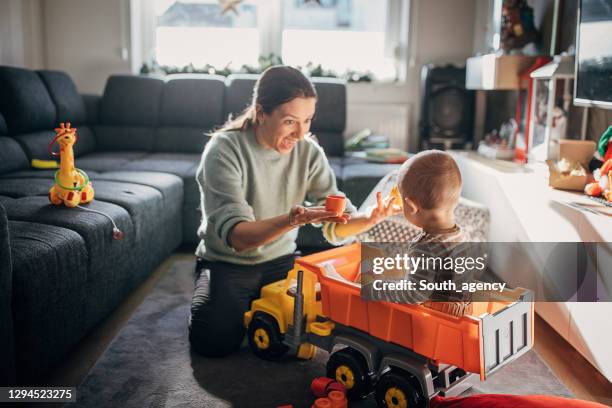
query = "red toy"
x=338 y=399
x=504 y=400
x=322 y=386
x=601 y=186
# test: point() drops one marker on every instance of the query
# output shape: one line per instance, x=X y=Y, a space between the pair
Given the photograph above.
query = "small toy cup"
x=319 y=386
x=338 y=399
x=336 y=204
x=322 y=403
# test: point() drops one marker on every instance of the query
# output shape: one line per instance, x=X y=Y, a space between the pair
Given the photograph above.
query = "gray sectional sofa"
x=140 y=142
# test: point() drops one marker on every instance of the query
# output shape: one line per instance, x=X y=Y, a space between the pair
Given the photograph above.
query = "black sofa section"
x=61 y=272
x=7 y=346
x=66 y=271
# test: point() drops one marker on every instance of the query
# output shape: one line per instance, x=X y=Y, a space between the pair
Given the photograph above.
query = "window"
x=197 y=33
x=339 y=35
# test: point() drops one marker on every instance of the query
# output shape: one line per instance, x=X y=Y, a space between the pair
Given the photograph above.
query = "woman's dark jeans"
x=223 y=293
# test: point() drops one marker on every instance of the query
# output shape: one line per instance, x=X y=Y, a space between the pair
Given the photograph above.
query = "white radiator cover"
x=389 y=119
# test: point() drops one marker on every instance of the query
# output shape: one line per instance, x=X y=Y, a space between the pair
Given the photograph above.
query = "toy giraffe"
x=72 y=186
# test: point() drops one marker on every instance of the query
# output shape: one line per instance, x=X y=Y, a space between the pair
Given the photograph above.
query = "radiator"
x=392 y=120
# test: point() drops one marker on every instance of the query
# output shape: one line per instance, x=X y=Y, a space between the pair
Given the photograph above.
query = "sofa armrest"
x=7 y=347
x=92 y=106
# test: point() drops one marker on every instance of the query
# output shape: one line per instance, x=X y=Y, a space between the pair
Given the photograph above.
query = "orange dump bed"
x=478 y=343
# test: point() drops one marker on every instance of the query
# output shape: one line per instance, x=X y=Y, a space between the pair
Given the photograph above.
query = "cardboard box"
x=574 y=151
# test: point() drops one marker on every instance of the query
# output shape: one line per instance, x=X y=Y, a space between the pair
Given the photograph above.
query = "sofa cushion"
x=129 y=112
x=107 y=161
x=179 y=139
x=336 y=165
x=181 y=164
x=95 y=229
x=23 y=187
x=190 y=106
x=12 y=157
x=331 y=105
x=92 y=106
x=68 y=102
x=184 y=166
x=38 y=173
x=3 y=129
x=36 y=144
x=7 y=345
x=170 y=186
x=131 y=101
x=124 y=138
x=142 y=201
x=50 y=297
x=331 y=142
x=86 y=142
x=139 y=200
x=70 y=107
x=144 y=204
x=238 y=93
x=192 y=100
x=24 y=101
x=330 y=117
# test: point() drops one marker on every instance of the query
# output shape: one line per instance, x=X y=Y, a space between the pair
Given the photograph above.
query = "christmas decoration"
x=227 y=5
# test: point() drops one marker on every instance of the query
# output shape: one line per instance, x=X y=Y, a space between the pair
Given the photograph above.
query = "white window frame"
x=269 y=17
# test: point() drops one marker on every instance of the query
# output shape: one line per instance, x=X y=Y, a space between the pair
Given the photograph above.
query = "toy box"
x=570 y=171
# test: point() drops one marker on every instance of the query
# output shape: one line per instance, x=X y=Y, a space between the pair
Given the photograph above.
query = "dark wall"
x=566 y=33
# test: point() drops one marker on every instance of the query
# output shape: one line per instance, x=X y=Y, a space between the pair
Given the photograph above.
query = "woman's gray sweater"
x=240 y=180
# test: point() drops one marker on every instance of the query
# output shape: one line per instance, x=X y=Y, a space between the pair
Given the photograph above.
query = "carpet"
x=149 y=364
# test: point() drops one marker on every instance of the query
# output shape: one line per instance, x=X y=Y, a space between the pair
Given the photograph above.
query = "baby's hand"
x=384 y=208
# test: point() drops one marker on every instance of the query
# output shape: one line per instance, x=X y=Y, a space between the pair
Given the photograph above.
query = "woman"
x=256 y=173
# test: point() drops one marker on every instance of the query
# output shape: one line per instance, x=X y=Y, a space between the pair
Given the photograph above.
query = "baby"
x=429 y=185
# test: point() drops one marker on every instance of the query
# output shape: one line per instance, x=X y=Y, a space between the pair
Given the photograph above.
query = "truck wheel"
x=265 y=338
x=349 y=368
x=396 y=390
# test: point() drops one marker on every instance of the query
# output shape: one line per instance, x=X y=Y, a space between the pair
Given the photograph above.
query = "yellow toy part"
x=396 y=196
x=44 y=164
x=72 y=186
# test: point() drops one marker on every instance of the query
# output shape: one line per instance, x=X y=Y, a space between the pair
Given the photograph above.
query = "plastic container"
x=335 y=203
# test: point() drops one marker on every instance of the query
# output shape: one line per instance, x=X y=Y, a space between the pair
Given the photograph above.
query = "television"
x=593 y=84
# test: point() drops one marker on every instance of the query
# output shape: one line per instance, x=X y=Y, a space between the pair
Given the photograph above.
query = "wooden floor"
x=578 y=375
x=569 y=366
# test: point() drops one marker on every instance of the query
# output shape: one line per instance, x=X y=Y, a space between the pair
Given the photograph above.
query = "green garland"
x=313 y=70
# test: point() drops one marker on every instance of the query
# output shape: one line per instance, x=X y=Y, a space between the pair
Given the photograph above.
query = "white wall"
x=21 y=30
x=86 y=38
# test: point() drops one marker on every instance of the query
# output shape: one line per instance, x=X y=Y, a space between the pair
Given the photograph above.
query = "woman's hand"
x=300 y=215
x=384 y=208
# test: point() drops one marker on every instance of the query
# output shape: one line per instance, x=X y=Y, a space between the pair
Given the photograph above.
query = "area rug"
x=150 y=364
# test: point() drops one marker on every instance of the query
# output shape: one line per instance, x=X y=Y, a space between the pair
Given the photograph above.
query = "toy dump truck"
x=404 y=353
